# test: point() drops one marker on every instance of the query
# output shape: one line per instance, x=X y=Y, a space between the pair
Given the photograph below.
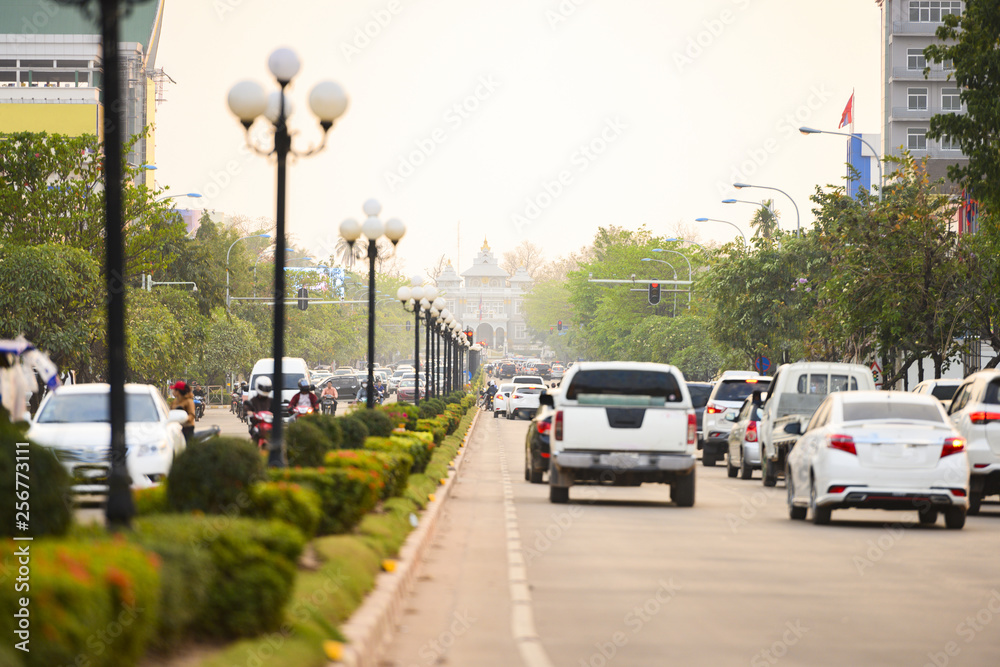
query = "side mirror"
x=795 y=428
x=545 y=398
x=731 y=417
x=179 y=416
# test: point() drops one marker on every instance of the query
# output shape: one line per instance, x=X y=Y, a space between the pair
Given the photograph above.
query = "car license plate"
x=623 y=461
x=890 y=451
x=91 y=474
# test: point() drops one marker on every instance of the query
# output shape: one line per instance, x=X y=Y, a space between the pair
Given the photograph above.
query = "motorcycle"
x=329 y=405
x=299 y=411
x=199 y=407
x=261 y=424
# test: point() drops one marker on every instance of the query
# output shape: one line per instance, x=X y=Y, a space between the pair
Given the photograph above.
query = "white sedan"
x=524 y=399
x=500 y=399
x=73 y=422
x=879 y=450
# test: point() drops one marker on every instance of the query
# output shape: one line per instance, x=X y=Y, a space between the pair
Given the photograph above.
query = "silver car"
x=743 y=456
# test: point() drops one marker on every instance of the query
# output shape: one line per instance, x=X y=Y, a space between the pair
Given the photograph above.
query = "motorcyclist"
x=491 y=391
x=306 y=396
x=329 y=391
x=183 y=400
x=379 y=390
x=259 y=401
x=362 y=395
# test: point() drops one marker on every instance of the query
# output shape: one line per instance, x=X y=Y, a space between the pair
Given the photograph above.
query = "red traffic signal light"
x=654 y=293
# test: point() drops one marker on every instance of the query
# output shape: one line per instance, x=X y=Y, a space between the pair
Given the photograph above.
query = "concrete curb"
x=372 y=625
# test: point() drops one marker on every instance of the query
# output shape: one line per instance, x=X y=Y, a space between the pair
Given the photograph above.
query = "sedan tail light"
x=692 y=429
x=558 y=428
x=751 y=432
x=844 y=443
x=713 y=409
x=984 y=417
x=952 y=446
x=544 y=426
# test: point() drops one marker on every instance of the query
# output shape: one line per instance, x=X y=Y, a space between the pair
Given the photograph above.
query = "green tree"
x=765 y=220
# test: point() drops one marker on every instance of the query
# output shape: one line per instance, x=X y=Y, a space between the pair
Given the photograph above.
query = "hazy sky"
x=522 y=119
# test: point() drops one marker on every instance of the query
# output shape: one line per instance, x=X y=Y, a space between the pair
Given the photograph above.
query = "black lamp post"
x=248 y=101
x=411 y=297
x=373 y=229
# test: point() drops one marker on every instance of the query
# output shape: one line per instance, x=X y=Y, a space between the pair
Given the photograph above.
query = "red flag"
x=848 y=116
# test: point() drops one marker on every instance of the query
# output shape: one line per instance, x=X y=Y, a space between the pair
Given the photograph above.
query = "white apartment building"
x=908 y=98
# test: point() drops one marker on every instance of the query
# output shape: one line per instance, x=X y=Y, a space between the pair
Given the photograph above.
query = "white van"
x=293 y=369
x=795 y=393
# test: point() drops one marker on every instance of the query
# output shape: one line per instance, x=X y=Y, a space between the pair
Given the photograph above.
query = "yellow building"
x=51 y=71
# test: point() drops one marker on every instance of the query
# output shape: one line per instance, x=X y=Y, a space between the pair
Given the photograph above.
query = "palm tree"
x=765 y=220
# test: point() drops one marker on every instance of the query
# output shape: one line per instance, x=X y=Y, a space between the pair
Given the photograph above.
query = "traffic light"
x=654 y=293
x=469 y=334
x=552 y=329
x=303 y=298
x=559 y=325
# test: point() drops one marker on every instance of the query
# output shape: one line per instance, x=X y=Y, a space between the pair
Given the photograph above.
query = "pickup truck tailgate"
x=629 y=429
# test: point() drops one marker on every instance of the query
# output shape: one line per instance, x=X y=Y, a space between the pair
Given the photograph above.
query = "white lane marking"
x=522 y=620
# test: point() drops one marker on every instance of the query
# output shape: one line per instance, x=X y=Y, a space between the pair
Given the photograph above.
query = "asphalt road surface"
x=620 y=576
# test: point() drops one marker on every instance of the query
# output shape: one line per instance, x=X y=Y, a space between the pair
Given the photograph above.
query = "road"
x=621 y=576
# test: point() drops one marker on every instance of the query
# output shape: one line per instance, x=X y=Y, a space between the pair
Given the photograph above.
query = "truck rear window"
x=625 y=383
x=737 y=390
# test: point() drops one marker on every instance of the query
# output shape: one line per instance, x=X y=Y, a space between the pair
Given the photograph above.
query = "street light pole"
x=878 y=161
x=412 y=296
x=728 y=223
x=663 y=261
x=247 y=100
x=798 y=221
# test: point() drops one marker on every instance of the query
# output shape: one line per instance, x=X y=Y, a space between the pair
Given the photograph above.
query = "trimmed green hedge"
x=44 y=488
x=403 y=415
x=291 y=503
x=253 y=566
x=392 y=466
x=345 y=495
x=93 y=599
x=379 y=423
x=209 y=476
x=355 y=431
x=434 y=427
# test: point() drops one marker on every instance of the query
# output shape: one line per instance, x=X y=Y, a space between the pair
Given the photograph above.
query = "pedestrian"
x=184 y=400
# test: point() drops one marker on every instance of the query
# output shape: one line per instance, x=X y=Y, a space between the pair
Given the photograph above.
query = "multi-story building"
x=491 y=302
x=51 y=71
x=909 y=99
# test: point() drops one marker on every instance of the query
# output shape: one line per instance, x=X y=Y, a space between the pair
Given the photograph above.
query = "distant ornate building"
x=491 y=302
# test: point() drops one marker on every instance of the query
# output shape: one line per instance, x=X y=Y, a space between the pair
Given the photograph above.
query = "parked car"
x=536 y=446
x=700 y=391
x=500 y=399
x=743 y=455
x=795 y=393
x=73 y=421
x=942 y=390
x=622 y=424
x=726 y=398
x=523 y=400
x=975 y=412
x=888 y=450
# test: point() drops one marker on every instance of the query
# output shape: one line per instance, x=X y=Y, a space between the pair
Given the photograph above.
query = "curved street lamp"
x=410 y=297
x=728 y=223
x=248 y=101
x=798 y=222
x=373 y=229
x=809 y=130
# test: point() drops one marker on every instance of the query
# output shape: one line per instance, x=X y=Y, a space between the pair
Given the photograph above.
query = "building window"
x=949 y=143
x=916 y=139
x=520 y=332
x=948 y=64
x=951 y=100
x=916 y=99
x=915 y=59
x=933 y=11
x=517 y=307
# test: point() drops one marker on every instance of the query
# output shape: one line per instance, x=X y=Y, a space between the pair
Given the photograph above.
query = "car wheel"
x=975 y=502
x=535 y=476
x=731 y=470
x=795 y=513
x=821 y=515
x=559 y=494
x=707 y=459
x=767 y=472
x=927 y=516
x=682 y=490
x=954 y=518
x=527 y=466
x=495 y=413
x=746 y=472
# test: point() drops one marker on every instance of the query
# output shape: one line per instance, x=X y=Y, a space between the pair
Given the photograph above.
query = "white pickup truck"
x=795 y=393
x=622 y=424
